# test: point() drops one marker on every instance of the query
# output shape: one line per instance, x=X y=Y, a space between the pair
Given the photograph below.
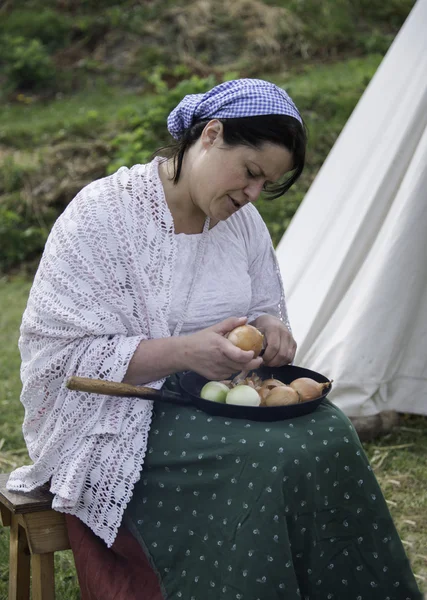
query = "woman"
x=141 y=278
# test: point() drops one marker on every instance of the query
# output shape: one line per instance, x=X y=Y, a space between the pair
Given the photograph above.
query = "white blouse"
x=237 y=275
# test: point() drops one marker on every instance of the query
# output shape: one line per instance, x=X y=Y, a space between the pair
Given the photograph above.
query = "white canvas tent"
x=354 y=258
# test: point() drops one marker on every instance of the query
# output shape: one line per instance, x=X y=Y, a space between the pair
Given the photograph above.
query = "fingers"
x=280 y=350
x=272 y=347
x=255 y=363
x=228 y=325
x=220 y=372
x=226 y=368
x=235 y=354
x=223 y=358
x=214 y=356
x=237 y=359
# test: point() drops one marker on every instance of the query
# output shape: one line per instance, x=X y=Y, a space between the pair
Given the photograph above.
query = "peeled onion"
x=227 y=382
x=214 y=391
x=308 y=389
x=282 y=396
x=247 y=337
x=243 y=395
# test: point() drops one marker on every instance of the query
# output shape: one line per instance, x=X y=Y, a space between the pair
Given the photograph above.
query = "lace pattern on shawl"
x=87 y=313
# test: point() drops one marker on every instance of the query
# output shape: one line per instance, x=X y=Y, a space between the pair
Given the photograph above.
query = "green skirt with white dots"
x=233 y=510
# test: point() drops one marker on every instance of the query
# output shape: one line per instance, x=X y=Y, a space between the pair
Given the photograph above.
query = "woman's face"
x=222 y=179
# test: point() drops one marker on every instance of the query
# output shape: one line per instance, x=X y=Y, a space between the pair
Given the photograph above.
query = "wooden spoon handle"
x=110 y=388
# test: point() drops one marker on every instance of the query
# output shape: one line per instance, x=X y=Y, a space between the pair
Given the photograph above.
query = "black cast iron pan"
x=190 y=385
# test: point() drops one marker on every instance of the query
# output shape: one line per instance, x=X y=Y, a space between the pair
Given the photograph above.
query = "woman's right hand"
x=209 y=353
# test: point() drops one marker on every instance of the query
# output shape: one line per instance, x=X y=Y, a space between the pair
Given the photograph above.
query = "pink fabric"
x=121 y=572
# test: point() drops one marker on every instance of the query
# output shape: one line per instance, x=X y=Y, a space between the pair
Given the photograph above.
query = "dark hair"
x=250 y=131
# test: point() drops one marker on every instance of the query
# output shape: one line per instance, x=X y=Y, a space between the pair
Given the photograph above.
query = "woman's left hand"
x=280 y=346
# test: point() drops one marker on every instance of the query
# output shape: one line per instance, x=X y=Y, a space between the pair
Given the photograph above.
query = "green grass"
x=87 y=114
x=399 y=459
x=400 y=463
x=326 y=92
x=13 y=298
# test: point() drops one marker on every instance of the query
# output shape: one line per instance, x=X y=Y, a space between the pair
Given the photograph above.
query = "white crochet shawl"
x=86 y=314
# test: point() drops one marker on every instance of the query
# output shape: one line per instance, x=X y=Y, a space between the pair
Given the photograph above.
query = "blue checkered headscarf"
x=237 y=98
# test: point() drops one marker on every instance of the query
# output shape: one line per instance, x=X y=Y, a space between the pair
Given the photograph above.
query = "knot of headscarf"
x=231 y=99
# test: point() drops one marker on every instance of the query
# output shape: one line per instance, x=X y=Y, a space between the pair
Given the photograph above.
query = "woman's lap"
x=248 y=510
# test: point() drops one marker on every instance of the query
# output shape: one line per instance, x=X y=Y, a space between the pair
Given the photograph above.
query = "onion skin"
x=263 y=393
x=247 y=337
x=308 y=389
x=282 y=396
x=272 y=383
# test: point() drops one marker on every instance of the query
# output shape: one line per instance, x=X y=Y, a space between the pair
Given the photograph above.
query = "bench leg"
x=19 y=563
x=43 y=577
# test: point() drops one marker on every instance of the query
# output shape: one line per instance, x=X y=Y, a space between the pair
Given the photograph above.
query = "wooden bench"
x=36 y=533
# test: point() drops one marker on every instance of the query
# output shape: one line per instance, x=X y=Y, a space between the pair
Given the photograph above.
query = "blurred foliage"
x=122 y=41
x=392 y=12
x=19 y=241
x=28 y=123
x=52 y=28
x=26 y=63
x=147 y=127
x=22 y=236
x=12 y=176
x=89 y=87
x=325 y=94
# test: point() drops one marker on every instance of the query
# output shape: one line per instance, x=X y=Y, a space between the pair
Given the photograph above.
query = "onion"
x=228 y=383
x=243 y=395
x=263 y=393
x=308 y=389
x=247 y=337
x=282 y=396
x=271 y=383
x=214 y=391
